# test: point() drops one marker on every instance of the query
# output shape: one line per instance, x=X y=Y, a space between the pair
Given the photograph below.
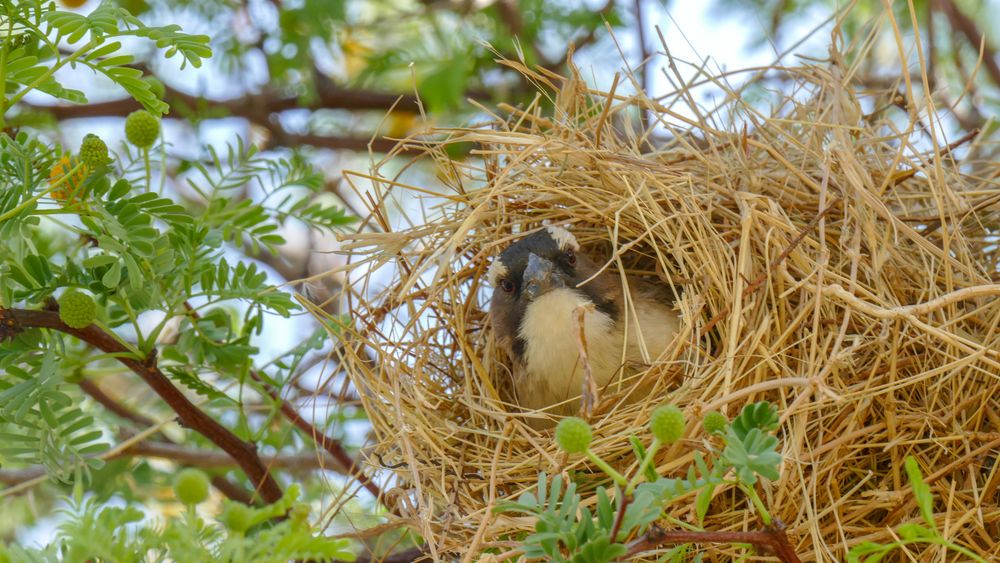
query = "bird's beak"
x=540 y=276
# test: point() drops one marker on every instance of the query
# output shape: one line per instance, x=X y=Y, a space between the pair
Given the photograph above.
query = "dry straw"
x=833 y=255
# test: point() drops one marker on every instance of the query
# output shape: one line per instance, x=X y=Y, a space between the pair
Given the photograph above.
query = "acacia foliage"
x=171 y=300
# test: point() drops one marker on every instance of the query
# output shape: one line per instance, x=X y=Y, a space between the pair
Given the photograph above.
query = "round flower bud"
x=237 y=517
x=667 y=423
x=69 y=189
x=77 y=309
x=714 y=422
x=93 y=151
x=142 y=128
x=573 y=435
x=191 y=486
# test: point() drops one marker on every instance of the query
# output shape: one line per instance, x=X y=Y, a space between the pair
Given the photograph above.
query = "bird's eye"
x=571 y=258
x=506 y=285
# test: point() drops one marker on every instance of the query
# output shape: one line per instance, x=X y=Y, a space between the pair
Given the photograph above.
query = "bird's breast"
x=553 y=371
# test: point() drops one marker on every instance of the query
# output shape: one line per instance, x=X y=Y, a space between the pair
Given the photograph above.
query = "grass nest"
x=833 y=255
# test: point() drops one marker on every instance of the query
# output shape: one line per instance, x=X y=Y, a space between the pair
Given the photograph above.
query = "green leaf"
x=444 y=86
x=762 y=416
x=702 y=502
x=755 y=454
x=191 y=380
x=921 y=491
x=119 y=190
x=38 y=267
x=113 y=276
x=913 y=532
x=640 y=454
x=868 y=552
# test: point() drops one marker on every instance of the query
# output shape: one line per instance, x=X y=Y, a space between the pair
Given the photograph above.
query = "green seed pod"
x=142 y=128
x=573 y=435
x=714 y=422
x=667 y=423
x=237 y=517
x=94 y=151
x=191 y=486
x=77 y=309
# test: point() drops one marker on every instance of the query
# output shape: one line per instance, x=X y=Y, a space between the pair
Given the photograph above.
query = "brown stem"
x=256 y=108
x=620 y=516
x=773 y=539
x=191 y=457
x=359 y=144
x=404 y=556
x=231 y=490
x=244 y=453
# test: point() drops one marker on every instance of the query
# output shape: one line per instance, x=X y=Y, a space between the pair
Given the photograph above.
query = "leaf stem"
x=624 y=500
x=149 y=174
x=758 y=504
x=610 y=471
x=30 y=201
x=48 y=74
x=646 y=460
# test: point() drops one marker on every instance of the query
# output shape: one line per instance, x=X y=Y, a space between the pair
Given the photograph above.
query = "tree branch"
x=259 y=109
x=108 y=402
x=967 y=27
x=359 y=144
x=244 y=453
x=193 y=457
x=333 y=447
x=255 y=107
x=231 y=490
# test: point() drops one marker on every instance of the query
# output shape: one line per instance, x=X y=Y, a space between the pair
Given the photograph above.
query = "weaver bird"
x=538 y=283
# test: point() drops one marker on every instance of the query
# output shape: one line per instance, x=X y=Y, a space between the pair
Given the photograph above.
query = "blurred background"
x=334 y=83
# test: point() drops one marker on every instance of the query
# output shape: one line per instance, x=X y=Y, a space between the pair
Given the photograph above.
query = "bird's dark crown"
x=551 y=243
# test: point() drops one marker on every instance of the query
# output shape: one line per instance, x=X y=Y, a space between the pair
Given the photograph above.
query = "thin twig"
x=113 y=405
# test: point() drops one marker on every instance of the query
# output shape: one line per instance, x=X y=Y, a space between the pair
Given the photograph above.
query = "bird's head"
x=537 y=264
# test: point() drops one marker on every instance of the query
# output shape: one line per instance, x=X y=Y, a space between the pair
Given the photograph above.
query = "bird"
x=538 y=283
